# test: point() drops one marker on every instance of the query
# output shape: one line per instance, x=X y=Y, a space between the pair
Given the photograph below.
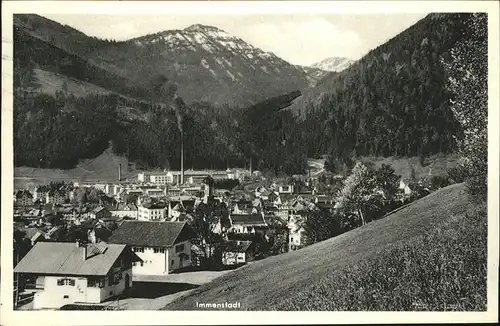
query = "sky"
x=301 y=39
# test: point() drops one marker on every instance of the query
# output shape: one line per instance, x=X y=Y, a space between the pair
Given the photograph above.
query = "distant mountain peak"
x=201 y=27
x=336 y=64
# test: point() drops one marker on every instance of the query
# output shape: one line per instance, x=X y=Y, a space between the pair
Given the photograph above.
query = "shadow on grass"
x=153 y=290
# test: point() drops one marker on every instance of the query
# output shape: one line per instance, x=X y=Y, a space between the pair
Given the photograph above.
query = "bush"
x=457 y=174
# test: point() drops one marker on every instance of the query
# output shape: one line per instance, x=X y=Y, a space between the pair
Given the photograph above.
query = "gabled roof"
x=66 y=258
x=98 y=209
x=247 y=219
x=236 y=246
x=151 y=234
x=154 y=206
x=23 y=192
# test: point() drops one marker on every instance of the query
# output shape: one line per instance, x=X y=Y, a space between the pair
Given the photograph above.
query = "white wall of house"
x=77 y=289
x=155 y=193
x=123 y=213
x=175 y=261
x=154 y=261
x=159 y=178
x=286 y=189
x=248 y=229
x=147 y=214
x=233 y=258
x=160 y=261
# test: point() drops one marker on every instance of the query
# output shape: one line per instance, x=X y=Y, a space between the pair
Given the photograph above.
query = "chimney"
x=119 y=172
x=182 y=159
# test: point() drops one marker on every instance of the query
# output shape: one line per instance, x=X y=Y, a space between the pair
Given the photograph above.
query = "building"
x=23 y=198
x=125 y=210
x=180 y=205
x=403 y=185
x=151 y=212
x=295 y=233
x=56 y=197
x=162 y=246
x=155 y=192
x=40 y=193
x=100 y=213
x=235 y=252
x=286 y=189
x=76 y=273
x=246 y=223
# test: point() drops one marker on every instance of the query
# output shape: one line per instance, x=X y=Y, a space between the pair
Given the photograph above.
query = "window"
x=142 y=264
x=138 y=249
x=179 y=248
x=240 y=258
x=159 y=250
x=172 y=262
x=291 y=239
x=65 y=281
x=66 y=297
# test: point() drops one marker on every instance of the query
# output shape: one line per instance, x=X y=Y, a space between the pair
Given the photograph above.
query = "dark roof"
x=21 y=193
x=151 y=234
x=247 y=219
x=154 y=206
x=236 y=246
x=287 y=197
x=66 y=258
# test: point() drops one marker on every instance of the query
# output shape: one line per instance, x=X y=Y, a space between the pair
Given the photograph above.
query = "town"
x=192 y=167
x=162 y=222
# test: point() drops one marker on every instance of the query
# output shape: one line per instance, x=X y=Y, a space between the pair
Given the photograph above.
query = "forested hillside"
x=391 y=102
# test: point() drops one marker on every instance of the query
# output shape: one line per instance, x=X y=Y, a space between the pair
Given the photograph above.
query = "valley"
x=185 y=167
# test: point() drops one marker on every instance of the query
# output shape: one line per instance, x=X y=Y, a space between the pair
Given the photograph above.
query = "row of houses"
x=62 y=273
x=191 y=176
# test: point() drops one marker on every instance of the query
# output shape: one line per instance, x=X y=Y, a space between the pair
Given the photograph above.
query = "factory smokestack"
x=119 y=172
x=182 y=158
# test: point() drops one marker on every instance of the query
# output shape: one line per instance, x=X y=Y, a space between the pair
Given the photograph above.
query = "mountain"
x=211 y=65
x=393 y=101
x=201 y=63
x=76 y=95
x=314 y=75
x=327 y=67
x=335 y=64
x=139 y=95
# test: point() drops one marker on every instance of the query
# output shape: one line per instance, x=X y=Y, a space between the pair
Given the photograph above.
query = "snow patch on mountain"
x=336 y=64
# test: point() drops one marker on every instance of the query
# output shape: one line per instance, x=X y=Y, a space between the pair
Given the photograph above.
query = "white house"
x=179 y=205
x=125 y=210
x=404 y=187
x=74 y=273
x=235 y=252
x=151 y=212
x=162 y=246
x=246 y=223
x=259 y=190
x=155 y=192
x=295 y=233
x=286 y=189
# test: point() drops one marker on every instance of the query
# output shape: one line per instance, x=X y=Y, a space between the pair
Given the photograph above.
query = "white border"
x=9 y=317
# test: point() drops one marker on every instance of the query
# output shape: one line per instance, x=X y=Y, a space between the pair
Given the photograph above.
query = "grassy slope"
x=436 y=165
x=376 y=258
x=102 y=168
x=51 y=82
